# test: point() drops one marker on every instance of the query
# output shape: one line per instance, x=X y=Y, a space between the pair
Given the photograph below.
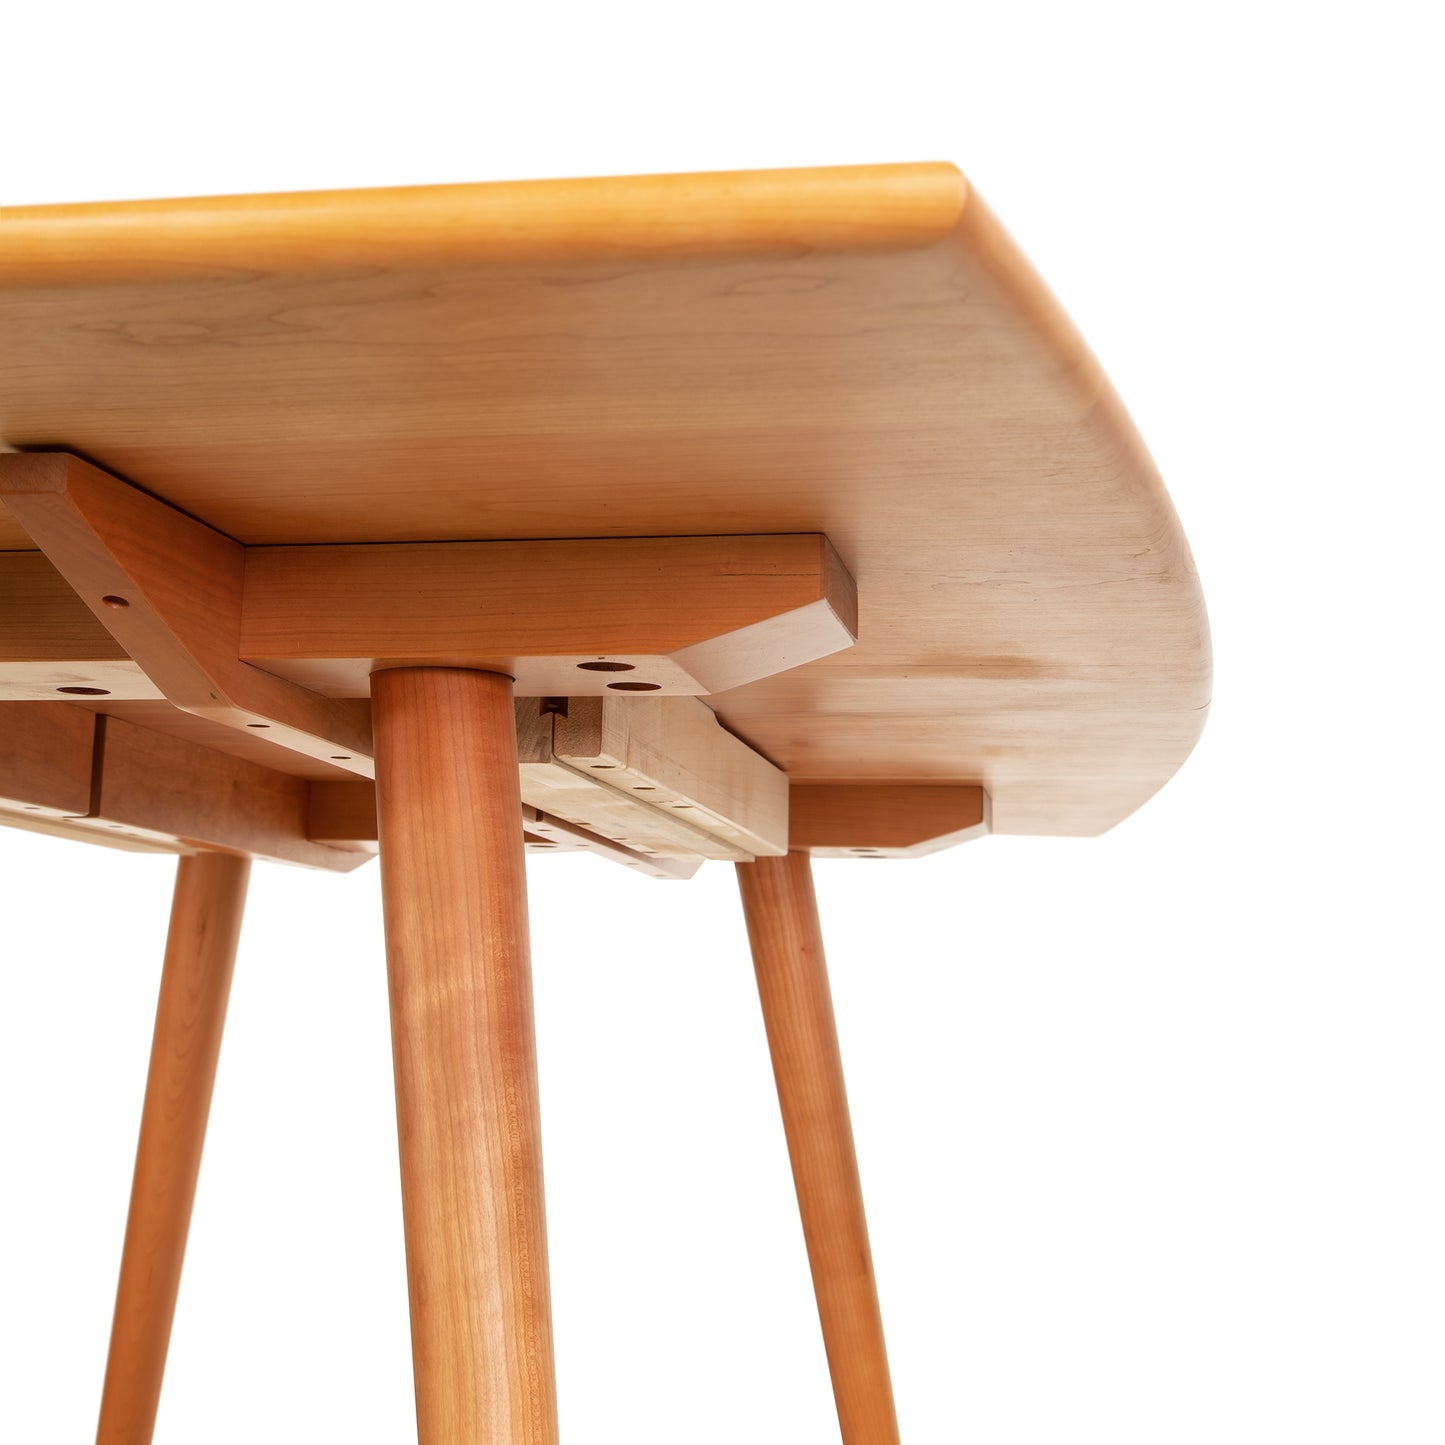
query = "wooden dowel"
x=200 y=957
x=454 y=895
x=787 y=945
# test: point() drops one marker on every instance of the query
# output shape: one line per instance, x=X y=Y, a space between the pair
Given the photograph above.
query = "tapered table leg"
x=195 y=985
x=787 y=945
x=454 y=894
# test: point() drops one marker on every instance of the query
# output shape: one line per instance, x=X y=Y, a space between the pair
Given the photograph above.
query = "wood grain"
x=454 y=897
x=345 y=813
x=165 y=789
x=106 y=780
x=884 y=820
x=679 y=614
x=672 y=754
x=169 y=589
x=46 y=757
x=780 y=212
x=195 y=986
x=862 y=352
x=544 y=831
x=49 y=639
x=787 y=945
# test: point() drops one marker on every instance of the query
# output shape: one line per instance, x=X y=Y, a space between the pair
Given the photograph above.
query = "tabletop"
x=861 y=352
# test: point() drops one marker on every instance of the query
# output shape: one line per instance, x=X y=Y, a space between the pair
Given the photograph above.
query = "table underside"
x=861 y=353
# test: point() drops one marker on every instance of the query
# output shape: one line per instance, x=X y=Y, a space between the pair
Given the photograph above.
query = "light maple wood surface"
x=671 y=753
x=787 y=944
x=455 y=906
x=195 y=987
x=861 y=352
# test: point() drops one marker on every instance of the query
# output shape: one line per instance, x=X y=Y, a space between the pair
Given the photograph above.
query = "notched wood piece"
x=579 y=796
x=546 y=832
x=162 y=789
x=579 y=809
x=345 y=813
x=679 y=615
x=672 y=754
x=885 y=820
x=169 y=591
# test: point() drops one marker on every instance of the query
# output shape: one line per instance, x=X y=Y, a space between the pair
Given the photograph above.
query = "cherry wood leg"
x=195 y=986
x=455 y=902
x=787 y=945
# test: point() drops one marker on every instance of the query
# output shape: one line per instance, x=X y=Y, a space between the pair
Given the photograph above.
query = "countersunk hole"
x=85 y=691
x=340 y=757
x=606 y=667
x=114 y=601
x=258 y=725
x=635 y=686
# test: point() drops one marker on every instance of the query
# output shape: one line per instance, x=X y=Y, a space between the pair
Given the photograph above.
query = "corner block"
x=884 y=820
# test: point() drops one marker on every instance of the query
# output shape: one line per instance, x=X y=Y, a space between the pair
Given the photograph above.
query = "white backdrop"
x=1149 y=1125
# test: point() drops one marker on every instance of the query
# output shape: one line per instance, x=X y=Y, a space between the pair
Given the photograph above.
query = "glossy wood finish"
x=787 y=945
x=861 y=352
x=454 y=895
x=195 y=986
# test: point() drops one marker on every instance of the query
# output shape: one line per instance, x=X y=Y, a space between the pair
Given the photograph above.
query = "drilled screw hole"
x=114 y=601
x=606 y=667
x=84 y=691
x=635 y=686
x=258 y=725
x=340 y=757
x=643 y=788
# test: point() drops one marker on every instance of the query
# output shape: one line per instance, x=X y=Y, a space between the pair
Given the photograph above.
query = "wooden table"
x=426 y=517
